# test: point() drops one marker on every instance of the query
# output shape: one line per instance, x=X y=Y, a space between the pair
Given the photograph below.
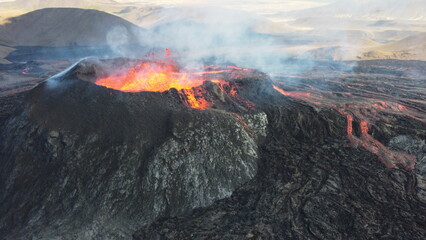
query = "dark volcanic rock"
x=310 y=188
x=81 y=161
x=312 y=184
x=417 y=148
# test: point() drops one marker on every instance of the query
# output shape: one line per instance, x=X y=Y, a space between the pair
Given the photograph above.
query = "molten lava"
x=195 y=98
x=366 y=111
x=388 y=157
x=161 y=75
x=150 y=77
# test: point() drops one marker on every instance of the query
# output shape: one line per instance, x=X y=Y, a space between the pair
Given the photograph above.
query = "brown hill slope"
x=413 y=47
x=67 y=26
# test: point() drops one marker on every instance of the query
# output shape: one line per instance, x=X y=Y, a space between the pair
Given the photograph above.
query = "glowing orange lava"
x=195 y=99
x=150 y=77
x=159 y=75
x=388 y=157
x=304 y=96
x=364 y=127
x=349 y=128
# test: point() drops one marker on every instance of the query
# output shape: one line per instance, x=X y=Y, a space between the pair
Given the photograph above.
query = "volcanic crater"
x=127 y=155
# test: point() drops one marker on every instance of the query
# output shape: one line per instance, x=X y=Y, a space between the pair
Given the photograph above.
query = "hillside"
x=409 y=43
x=4 y=51
x=67 y=26
x=413 y=47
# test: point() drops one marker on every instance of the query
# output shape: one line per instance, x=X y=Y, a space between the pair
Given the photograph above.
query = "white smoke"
x=261 y=34
x=199 y=34
x=117 y=38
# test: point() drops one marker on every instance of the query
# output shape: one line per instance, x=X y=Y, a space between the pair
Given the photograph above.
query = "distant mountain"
x=67 y=26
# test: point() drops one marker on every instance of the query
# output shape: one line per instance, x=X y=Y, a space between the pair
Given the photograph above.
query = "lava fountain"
x=163 y=75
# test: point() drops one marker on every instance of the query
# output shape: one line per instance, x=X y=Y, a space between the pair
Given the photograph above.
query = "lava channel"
x=366 y=112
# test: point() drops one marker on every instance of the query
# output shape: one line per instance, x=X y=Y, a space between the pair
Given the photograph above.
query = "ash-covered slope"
x=83 y=161
x=65 y=27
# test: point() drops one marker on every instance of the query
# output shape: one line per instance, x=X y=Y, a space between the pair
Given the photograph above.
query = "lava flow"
x=367 y=109
x=388 y=157
x=163 y=75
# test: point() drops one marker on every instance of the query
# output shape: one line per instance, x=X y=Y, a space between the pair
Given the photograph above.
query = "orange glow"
x=150 y=77
x=292 y=94
x=387 y=156
x=363 y=112
x=364 y=127
x=195 y=100
x=349 y=128
x=304 y=96
x=159 y=75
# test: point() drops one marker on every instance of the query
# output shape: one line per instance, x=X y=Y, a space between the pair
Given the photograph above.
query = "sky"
x=241 y=2
x=289 y=4
x=360 y=9
x=257 y=6
x=191 y=1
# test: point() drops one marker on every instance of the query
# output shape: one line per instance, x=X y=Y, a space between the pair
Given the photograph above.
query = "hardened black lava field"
x=329 y=154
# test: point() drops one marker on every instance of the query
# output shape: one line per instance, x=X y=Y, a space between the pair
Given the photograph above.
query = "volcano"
x=116 y=148
x=144 y=154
